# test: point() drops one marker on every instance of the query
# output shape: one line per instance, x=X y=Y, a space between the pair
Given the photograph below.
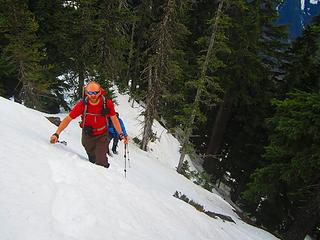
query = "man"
x=94 y=111
x=113 y=134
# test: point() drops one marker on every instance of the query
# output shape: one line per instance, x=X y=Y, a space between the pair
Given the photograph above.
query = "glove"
x=125 y=139
x=54 y=138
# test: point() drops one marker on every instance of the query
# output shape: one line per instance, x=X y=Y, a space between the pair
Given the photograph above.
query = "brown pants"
x=96 y=148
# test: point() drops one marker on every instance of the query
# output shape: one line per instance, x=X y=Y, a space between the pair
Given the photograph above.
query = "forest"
x=221 y=75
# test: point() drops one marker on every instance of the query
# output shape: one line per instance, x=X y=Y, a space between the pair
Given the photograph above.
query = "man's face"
x=93 y=92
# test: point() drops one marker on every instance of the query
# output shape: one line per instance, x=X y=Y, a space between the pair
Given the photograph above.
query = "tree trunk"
x=80 y=83
x=128 y=75
x=157 y=68
x=220 y=125
x=184 y=145
x=130 y=51
x=189 y=127
x=149 y=113
x=28 y=95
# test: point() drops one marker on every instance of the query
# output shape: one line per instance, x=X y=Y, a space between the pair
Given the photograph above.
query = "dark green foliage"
x=2 y=91
x=252 y=65
x=303 y=68
x=186 y=170
x=21 y=53
x=291 y=175
x=202 y=179
x=62 y=45
x=288 y=179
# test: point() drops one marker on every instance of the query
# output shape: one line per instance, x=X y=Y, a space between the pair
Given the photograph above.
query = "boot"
x=114 y=150
x=107 y=165
x=92 y=159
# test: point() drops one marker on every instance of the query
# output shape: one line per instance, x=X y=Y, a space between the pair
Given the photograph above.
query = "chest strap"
x=104 y=112
x=99 y=129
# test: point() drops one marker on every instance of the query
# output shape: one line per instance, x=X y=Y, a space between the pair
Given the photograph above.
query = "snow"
x=52 y=192
x=314 y=1
x=302 y=4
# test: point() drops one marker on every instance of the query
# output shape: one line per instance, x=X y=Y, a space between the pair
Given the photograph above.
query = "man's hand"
x=124 y=138
x=54 y=138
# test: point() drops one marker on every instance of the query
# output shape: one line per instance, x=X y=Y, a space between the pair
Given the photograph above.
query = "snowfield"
x=52 y=192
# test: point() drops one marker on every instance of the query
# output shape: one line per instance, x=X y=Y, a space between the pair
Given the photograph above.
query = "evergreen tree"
x=289 y=178
x=85 y=40
x=22 y=52
x=159 y=65
x=249 y=82
x=113 y=40
x=144 y=13
x=77 y=38
x=207 y=87
x=50 y=19
x=303 y=67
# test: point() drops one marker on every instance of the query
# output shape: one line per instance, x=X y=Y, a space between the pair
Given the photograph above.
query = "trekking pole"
x=62 y=142
x=125 y=160
x=128 y=154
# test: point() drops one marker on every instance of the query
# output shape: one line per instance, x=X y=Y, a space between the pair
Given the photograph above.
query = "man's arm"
x=116 y=124
x=65 y=122
x=117 y=127
x=123 y=127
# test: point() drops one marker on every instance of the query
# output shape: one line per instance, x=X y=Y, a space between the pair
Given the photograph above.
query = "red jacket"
x=94 y=117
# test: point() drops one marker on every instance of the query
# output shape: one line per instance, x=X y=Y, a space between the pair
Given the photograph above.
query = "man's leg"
x=89 y=146
x=101 y=146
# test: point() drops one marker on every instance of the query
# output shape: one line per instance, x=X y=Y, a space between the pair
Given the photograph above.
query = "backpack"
x=104 y=112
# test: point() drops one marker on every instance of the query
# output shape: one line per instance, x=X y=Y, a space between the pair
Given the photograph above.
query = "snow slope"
x=53 y=192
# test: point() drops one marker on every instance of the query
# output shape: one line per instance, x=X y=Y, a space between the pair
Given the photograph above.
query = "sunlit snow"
x=52 y=192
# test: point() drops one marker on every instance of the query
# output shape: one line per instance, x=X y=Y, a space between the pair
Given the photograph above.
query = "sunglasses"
x=93 y=93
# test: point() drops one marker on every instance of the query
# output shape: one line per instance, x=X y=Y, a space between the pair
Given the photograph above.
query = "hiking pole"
x=125 y=160
x=128 y=154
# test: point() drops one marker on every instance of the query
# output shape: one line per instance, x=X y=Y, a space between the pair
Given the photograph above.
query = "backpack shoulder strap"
x=85 y=103
x=105 y=110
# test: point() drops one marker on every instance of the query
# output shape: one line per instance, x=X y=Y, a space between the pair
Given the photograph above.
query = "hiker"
x=94 y=110
x=113 y=134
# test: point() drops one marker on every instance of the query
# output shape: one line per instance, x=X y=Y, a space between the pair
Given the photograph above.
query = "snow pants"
x=96 y=148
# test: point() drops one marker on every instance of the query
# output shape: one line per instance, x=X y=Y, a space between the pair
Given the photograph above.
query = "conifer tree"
x=202 y=90
x=50 y=17
x=288 y=180
x=22 y=51
x=85 y=40
x=163 y=44
x=140 y=37
x=112 y=47
x=249 y=81
x=79 y=30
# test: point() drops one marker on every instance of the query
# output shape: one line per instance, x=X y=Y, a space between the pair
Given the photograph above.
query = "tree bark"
x=81 y=82
x=157 y=68
x=189 y=127
x=149 y=114
x=131 y=49
x=220 y=125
